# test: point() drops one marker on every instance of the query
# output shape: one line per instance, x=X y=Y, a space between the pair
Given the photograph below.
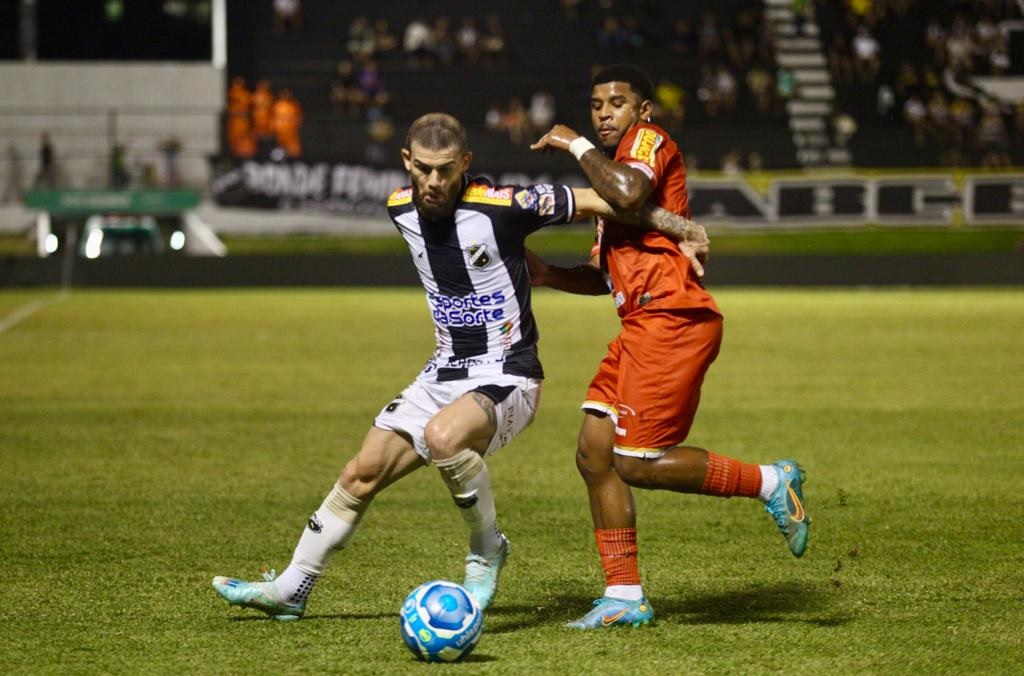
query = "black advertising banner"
x=783 y=201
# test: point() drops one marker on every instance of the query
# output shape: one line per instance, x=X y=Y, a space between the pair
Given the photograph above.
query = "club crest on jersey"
x=527 y=199
x=646 y=145
x=478 y=255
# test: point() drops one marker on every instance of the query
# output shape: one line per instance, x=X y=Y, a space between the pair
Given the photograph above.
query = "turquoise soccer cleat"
x=787 y=506
x=262 y=596
x=482 y=572
x=610 y=612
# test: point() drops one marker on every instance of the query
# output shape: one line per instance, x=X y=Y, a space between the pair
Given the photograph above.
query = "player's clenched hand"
x=558 y=138
x=695 y=245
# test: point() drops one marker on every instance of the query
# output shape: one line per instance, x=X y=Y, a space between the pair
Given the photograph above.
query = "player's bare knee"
x=441 y=440
x=362 y=479
x=634 y=471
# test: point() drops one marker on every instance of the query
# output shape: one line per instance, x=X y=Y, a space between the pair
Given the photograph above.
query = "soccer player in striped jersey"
x=641 y=404
x=481 y=386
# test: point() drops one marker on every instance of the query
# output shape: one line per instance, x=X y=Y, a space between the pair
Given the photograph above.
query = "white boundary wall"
x=73 y=101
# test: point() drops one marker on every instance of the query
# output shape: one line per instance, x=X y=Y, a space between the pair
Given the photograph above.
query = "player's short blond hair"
x=436 y=131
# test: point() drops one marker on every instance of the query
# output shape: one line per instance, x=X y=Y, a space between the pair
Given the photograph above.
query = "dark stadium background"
x=768 y=99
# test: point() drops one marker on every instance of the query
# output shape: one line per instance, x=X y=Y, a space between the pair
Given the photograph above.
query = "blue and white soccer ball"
x=441 y=621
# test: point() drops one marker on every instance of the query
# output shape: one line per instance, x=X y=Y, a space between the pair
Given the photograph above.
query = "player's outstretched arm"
x=692 y=238
x=587 y=280
x=623 y=187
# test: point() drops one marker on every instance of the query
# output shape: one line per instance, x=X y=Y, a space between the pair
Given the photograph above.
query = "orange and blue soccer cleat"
x=611 y=612
x=259 y=595
x=787 y=506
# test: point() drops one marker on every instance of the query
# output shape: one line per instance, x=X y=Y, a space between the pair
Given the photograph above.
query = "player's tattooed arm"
x=691 y=236
x=485 y=403
x=586 y=280
x=621 y=185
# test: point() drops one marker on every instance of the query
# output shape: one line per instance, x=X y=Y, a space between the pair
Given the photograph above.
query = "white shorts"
x=516 y=399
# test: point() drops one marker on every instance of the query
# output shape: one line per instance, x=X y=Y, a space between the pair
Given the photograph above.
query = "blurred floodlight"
x=51 y=244
x=178 y=240
x=93 y=244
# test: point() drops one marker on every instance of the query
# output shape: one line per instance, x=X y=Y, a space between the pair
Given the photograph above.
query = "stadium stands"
x=709 y=59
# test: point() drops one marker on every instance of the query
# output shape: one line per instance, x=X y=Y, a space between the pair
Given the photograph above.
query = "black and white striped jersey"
x=474 y=273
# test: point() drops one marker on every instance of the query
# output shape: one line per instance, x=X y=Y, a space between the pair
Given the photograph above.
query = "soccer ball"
x=441 y=621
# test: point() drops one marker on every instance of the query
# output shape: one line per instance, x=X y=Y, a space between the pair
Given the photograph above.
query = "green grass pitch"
x=152 y=439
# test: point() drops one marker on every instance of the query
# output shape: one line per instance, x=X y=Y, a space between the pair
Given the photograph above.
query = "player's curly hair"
x=436 y=131
x=637 y=80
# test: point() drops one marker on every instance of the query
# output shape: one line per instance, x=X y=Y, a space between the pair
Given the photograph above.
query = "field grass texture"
x=151 y=440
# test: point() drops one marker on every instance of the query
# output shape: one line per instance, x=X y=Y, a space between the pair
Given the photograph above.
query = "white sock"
x=626 y=592
x=769 y=482
x=469 y=482
x=329 y=529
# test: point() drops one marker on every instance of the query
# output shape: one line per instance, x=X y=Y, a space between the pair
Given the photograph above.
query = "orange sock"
x=617 y=547
x=727 y=477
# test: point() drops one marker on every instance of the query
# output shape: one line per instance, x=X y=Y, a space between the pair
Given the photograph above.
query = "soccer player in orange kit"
x=641 y=404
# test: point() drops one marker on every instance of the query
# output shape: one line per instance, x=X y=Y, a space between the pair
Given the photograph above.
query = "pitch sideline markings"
x=29 y=309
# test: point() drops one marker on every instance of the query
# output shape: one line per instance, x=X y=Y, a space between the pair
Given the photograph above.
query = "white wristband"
x=579 y=146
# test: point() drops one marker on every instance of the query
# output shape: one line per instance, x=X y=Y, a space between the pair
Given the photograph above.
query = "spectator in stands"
x=239 y=128
x=384 y=40
x=12 y=191
x=761 y=88
x=708 y=94
x=840 y=63
x=992 y=140
x=493 y=48
x=516 y=122
x=362 y=41
x=611 y=35
x=683 y=39
x=347 y=97
x=467 y=40
x=671 y=101
x=170 y=148
x=444 y=40
x=785 y=85
x=418 y=44
x=636 y=37
x=915 y=114
x=940 y=122
x=728 y=89
x=801 y=14
x=867 y=54
x=262 y=106
x=732 y=163
x=541 y=113
x=844 y=128
x=999 y=57
x=379 y=132
x=571 y=9
x=287 y=16
x=46 y=177
x=709 y=41
x=371 y=83
x=960 y=48
x=494 y=118
x=119 y=176
x=935 y=39
x=885 y=100
x=963 y=114
x=286 y=117
x=906 y=80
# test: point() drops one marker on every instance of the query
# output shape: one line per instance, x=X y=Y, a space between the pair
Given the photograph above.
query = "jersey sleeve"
x=645 y=149
x=536 y=206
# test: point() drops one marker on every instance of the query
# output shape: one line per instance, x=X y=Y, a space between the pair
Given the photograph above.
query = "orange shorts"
x=649 y=382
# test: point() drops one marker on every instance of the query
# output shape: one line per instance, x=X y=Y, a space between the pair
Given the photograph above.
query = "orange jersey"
x=647 y=269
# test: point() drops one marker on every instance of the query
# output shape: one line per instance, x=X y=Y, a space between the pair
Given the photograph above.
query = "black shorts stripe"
x=496 y=393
